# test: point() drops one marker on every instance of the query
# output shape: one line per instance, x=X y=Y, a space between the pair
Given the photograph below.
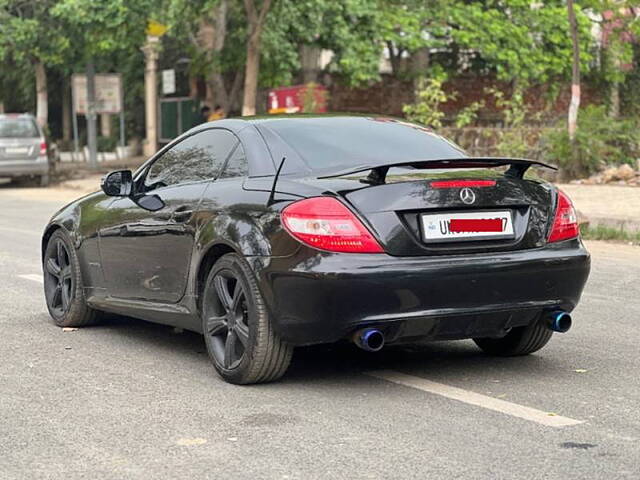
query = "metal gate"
x=177 y=115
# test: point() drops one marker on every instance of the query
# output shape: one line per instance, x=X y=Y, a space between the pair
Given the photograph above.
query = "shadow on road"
x=341 y=361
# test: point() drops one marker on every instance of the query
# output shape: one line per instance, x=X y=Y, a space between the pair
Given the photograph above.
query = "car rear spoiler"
x=378 y=173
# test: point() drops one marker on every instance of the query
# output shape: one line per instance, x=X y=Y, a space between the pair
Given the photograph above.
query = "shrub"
x=107 y=144
x=429 y=98
x=313 y=98
x=600 y=140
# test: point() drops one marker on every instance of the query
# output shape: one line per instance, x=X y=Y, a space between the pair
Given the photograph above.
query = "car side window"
x=237 y=166
x=198 y=157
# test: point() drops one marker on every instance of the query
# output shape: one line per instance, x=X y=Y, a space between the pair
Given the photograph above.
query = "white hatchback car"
x=24 y=151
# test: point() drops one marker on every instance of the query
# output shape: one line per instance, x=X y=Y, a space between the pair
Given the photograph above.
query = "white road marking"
x=34 y=277
x=527 y=413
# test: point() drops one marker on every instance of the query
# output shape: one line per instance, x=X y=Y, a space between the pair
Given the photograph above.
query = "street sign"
x=155 y=29
x=168 y=81
x=108 y=93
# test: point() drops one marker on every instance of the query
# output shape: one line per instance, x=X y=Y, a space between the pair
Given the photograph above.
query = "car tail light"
x=565 y=223
x=43 y=148
x=327 y=224
x=463 y=183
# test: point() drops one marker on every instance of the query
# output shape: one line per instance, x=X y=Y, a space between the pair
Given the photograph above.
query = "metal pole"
x=122 y=132
x=92 y=138
x=75 y=118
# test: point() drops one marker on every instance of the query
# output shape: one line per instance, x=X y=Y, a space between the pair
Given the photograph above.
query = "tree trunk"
x=395 y=58
x=310 y=63
x=420 y=61
x=42 y=100
x=211 y=37
x=252 y=69
x=66 y=111
x=614 y=108
x=255 y=21
x=572 y=120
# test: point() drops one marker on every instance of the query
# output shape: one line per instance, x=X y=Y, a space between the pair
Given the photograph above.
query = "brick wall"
x=390 y=94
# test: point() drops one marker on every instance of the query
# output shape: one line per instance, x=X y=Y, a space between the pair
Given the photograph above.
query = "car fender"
x=81 y=220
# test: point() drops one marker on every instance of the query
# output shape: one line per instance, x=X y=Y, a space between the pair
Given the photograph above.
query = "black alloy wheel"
x=237 y=328
x=228 y=324
x=58 y=278
x=63 y=284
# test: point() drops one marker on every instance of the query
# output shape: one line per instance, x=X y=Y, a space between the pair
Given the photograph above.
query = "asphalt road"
x=130 y=399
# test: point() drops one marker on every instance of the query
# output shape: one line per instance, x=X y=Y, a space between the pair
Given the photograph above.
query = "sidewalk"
x=613 y=206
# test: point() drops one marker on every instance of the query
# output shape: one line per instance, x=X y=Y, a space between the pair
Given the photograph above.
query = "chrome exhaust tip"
x=369 y=339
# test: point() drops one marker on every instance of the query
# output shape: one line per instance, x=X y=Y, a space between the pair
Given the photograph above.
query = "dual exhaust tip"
x=369 y=339
x=558 y=321
x=372 y=339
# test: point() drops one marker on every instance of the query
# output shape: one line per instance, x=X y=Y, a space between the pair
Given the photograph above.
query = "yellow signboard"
x=155 y=29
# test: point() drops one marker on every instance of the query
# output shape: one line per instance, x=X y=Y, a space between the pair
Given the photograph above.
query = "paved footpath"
x=610 y=205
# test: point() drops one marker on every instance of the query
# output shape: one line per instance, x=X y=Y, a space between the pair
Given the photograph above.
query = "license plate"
x=459 y=226
x=16 y=150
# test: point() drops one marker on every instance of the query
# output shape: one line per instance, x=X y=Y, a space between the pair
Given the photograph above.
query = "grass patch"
x=601 y=232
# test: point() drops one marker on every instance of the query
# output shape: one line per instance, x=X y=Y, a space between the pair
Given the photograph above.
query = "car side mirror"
x=118 y=183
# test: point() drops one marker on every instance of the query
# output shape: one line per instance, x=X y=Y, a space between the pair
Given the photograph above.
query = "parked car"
x=24 y=150
x=266 y=234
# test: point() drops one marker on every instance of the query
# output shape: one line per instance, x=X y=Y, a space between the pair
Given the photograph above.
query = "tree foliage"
x=518 y=41
x=521 y=40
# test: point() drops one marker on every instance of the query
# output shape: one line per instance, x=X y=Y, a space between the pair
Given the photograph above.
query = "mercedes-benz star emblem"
x=467 y=196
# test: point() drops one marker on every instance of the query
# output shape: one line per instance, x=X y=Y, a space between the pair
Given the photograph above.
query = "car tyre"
x=519 y=341
x=63 y=286
x=237 y=327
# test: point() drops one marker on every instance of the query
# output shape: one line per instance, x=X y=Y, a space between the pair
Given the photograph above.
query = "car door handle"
x=181 y=214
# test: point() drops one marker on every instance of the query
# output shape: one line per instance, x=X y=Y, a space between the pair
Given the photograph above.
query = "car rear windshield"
x=18 y=128
x=343 y=142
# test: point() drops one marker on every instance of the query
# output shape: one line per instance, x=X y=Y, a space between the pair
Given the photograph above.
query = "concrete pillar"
x=151 y=52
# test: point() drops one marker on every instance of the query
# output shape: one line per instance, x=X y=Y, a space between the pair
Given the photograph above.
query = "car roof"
x=239 y=123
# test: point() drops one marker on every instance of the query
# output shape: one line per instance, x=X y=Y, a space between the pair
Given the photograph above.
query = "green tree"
x=523 y=42
x=430 y=97
x=410 y=28
x=212 y=32
x=32 y=39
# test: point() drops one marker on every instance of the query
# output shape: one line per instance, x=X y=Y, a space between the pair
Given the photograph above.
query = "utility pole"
x=92 y=140
x=151 y=54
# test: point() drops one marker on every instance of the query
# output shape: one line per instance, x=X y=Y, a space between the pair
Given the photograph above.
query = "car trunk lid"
x=401 y=212
x=19 y=148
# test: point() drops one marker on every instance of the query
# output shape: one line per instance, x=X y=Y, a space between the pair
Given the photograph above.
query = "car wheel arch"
x=206 y=261
x=49 y=231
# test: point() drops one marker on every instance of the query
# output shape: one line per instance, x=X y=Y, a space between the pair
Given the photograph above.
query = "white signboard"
x=168 y=81
x=108 y=93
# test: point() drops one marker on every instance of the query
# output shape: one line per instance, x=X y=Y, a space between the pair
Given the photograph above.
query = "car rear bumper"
x=318 y=297
x=16 y=168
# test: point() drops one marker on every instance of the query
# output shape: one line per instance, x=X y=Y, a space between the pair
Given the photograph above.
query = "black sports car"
x=268 y=233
